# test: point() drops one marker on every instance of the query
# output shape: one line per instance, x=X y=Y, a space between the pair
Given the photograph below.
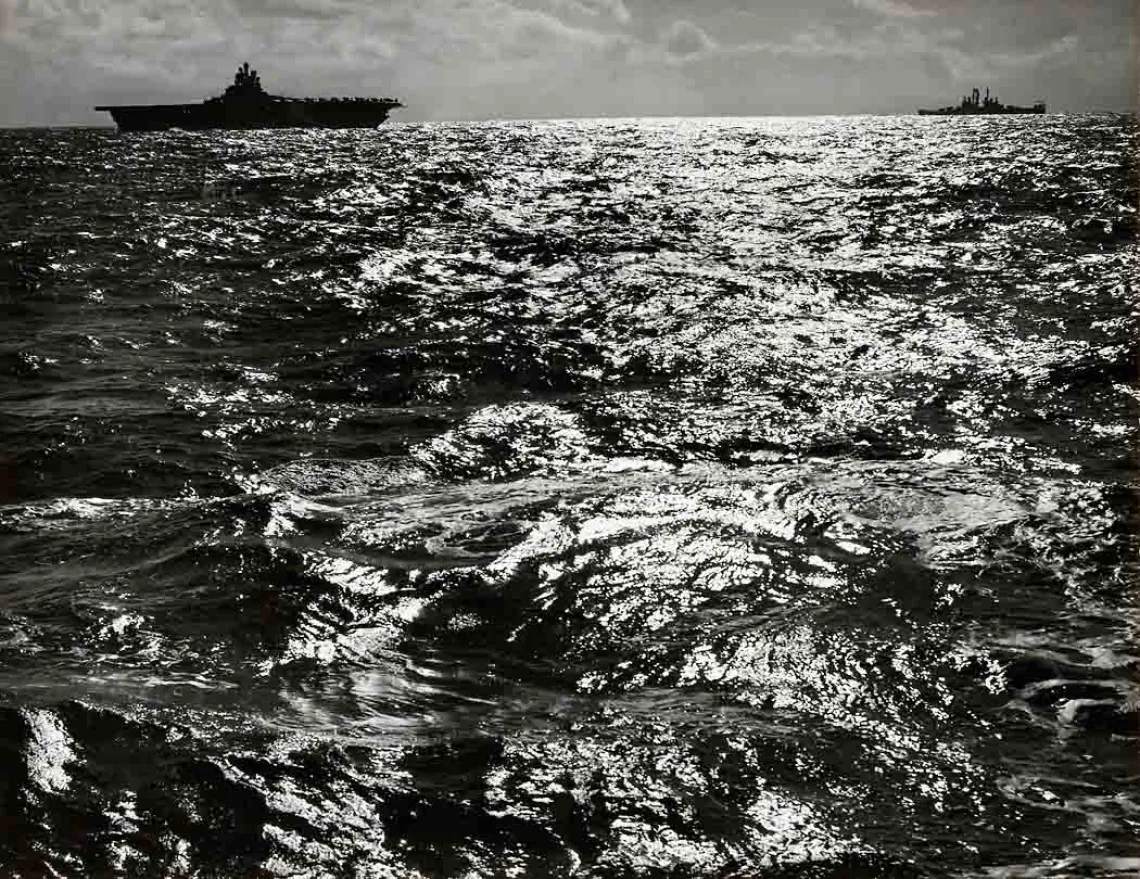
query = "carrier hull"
x=284 y=113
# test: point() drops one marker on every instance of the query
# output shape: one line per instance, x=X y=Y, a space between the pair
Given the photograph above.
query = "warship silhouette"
x=975 y=105
x=245 y=104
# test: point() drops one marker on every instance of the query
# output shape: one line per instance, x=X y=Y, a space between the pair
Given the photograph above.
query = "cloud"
x=614 y=9
x=897 y=44
x=514 y=58
x=295 y=8
x=1056 y=49
x=527 y=33
x=617 y=9
x=683 y=39
x=893 y=8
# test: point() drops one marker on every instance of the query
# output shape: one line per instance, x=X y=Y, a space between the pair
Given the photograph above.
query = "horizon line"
x=604 y=118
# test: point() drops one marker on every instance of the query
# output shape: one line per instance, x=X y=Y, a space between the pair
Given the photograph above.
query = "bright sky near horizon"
x=480 y=59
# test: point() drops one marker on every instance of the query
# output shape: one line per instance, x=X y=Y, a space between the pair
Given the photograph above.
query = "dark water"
x=650 y=498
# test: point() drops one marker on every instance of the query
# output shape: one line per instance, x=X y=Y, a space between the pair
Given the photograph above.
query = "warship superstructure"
x=245 y=104
x=974 y=104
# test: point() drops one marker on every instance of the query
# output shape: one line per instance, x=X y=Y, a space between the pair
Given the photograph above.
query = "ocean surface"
x=647 y=498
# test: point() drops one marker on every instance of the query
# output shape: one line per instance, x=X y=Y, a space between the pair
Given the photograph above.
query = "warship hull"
x=280 y=113
x=974 y=104
x=984 y=111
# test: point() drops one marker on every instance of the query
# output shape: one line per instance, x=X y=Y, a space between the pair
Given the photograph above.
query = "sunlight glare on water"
x=602 y=498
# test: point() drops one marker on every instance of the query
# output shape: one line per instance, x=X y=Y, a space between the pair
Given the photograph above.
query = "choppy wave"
x=632 y=498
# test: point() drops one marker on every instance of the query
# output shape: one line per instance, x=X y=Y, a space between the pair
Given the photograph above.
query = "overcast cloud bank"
x=474 y=59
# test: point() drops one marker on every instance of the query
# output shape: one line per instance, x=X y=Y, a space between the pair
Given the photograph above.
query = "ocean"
x=609 y=498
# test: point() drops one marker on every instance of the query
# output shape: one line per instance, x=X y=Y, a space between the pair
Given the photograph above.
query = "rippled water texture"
x=650 y=498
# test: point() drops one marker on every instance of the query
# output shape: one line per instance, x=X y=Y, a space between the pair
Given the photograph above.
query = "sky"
x=488 y=59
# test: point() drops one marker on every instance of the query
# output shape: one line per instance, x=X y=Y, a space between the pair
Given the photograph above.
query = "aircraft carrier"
x=246 y=105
